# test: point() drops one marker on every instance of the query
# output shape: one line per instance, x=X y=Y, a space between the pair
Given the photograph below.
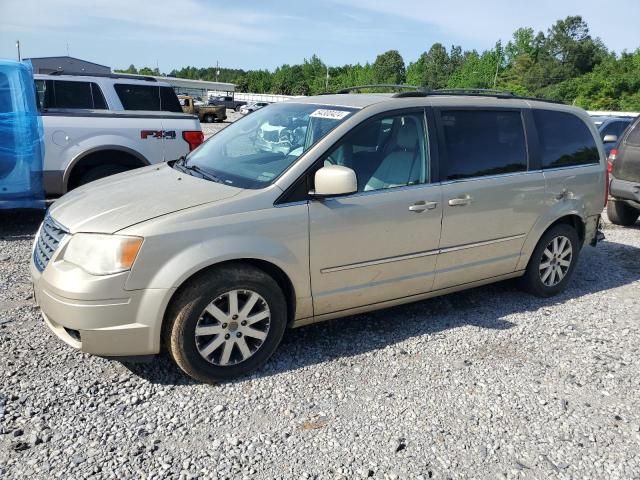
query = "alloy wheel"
x=556 y=261
x=233 y=327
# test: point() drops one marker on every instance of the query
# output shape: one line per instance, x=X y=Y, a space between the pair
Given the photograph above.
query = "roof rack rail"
x=378 y=85
x=472 y=92
x=106 y=75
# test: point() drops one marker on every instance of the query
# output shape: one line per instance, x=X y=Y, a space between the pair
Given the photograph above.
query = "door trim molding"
x=369 y=263
x=481 y=244
x=427 y=253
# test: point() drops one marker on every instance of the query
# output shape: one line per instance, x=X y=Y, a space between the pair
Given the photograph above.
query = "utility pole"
x=217 y=70
x=18 y=47
x=68 y=54
x=326 y=82
x=495 y=79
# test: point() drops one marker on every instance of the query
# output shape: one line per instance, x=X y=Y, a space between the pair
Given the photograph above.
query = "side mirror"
x=610 y=138
x=334 y=180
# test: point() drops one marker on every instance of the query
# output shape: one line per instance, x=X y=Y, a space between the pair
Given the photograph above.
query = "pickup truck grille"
x=51 y=234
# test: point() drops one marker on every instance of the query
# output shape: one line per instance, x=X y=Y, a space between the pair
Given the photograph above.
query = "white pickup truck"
x=95 y=126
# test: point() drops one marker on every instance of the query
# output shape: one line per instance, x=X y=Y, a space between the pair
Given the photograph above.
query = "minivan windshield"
x=255 y=150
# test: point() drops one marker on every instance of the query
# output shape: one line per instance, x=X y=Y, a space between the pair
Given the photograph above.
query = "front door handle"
x=460 y=202
x=421 y=206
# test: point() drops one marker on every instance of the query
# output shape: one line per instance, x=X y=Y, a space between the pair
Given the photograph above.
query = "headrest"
x=407 y=134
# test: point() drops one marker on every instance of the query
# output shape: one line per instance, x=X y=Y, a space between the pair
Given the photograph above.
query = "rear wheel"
x=101 y=171
x=552 y=263
x=209 y=118
x=622 y=214
x=226 y=324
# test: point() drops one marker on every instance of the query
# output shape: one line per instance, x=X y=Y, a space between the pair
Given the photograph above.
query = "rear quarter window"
x=565 y=140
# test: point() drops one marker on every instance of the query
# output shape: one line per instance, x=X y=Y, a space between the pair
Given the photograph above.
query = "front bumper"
x=95 y=314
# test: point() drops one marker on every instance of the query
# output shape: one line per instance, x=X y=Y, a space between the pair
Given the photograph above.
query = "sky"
x=253 y=34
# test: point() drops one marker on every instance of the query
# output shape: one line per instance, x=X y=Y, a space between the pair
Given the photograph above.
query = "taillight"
x=613 y=154
x=193 y=137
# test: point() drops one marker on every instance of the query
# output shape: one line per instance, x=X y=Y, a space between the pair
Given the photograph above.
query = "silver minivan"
x=315 y=209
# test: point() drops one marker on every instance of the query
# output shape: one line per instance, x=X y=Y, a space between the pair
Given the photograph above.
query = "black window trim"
x=532 y=149
x=288 y=196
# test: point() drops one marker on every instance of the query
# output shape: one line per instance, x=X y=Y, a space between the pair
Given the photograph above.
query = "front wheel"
x=552 y=263
x=226 y=323
x=622 y=214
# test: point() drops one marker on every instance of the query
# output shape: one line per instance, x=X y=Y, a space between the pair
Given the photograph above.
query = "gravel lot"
x=211 y=128
x=488 y=383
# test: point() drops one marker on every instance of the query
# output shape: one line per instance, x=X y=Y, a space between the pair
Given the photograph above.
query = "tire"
x=209 y=118
x=622 y=214
x=101 y=171
x=237 y=109
x=534 y=280
x=203 y=357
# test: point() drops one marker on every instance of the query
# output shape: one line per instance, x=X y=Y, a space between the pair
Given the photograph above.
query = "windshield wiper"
x=203 y=173
x=181 y=164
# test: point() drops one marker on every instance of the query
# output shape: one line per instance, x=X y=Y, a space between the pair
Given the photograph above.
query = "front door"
x=380 y=243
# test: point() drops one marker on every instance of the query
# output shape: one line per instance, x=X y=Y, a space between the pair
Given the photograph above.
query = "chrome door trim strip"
x=427 y=253
x=481 y=244
x=380 y=262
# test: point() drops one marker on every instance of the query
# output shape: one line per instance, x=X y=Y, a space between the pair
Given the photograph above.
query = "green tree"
x=389 y=68
x=432 y=70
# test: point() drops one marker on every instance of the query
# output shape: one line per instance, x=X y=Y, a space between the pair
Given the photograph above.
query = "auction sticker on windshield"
x=331 y=114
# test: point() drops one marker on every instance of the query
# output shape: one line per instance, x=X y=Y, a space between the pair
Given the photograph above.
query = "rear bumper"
x=623 y=190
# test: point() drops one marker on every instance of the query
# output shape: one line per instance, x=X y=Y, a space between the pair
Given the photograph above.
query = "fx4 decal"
x=169 y=134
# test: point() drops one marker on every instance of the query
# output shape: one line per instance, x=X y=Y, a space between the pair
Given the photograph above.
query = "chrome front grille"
x=51 y=234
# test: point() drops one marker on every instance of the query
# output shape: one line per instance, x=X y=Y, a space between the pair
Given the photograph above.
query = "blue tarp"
x=21 y=138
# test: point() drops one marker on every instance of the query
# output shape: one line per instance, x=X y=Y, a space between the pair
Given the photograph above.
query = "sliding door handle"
x=460 y=202
x=421 y=206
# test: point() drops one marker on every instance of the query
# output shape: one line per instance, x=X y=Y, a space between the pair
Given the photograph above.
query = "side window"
x=138 y=97
x=169 y=100
x=565 y=140
x=385 y=153
x=41 y=87
x=70 y=94
x=614 y=128
x=483 y=142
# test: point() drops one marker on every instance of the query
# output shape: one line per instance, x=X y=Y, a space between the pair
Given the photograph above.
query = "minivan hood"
x=117 y=202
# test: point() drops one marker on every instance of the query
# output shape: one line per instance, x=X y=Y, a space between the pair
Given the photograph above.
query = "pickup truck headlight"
x=100 y=254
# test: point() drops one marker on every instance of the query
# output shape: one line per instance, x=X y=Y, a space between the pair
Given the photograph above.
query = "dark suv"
x=624 y=166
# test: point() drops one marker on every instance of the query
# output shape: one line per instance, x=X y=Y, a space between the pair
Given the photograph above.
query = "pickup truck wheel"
x=209 y=118
x=226 y=324
x=622 y=214
x=237 y=109
x=101 y=171
x=552 y=263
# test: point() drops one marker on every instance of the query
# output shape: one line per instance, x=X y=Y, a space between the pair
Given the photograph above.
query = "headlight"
x=100 y=254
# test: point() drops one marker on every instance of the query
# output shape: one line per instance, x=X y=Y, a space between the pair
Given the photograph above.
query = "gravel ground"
x=488 y=383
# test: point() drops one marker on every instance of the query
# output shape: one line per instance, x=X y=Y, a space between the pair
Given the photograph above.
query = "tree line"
x=566 y=64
